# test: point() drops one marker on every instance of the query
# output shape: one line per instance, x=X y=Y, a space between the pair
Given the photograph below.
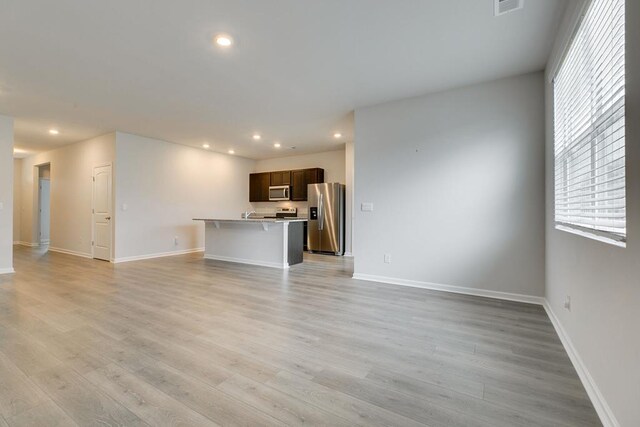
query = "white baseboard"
x=454 y=289
x=605 y=413
x=156 y=255
x=247 y=261
x=7 y=270
x=68 y=252
x=27 y=244
x=348 y=254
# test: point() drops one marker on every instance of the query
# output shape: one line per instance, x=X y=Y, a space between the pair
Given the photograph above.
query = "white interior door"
x=102 y=212
x=45 y=210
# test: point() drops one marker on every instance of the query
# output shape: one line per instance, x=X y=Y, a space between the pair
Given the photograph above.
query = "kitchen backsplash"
x=263 y=208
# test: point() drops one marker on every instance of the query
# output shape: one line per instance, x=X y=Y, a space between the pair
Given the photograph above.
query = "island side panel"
x=246 y=242
x=296 y=242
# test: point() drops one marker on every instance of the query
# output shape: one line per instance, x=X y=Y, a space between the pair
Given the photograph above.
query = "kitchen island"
x=269 y=242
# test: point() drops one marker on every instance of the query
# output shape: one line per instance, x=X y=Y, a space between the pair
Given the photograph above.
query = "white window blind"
x=589 y=127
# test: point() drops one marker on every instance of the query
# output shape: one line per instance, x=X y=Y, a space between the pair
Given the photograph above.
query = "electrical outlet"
x=366 y=207
x=567 y=303
x=175 y=240
x=387 y=258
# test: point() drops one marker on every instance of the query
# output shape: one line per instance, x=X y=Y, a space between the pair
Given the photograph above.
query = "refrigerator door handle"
x=321 y=212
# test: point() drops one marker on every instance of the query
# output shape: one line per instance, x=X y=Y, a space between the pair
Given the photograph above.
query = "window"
x=589 y=126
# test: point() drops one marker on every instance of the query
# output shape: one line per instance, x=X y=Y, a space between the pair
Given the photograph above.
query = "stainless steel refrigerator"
x=325 y=227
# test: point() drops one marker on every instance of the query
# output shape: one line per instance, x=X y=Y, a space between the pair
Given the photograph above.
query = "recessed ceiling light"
x=223 y=40
x=205 y=145
x=277 y=145
x=256 y=136
x=54 y=131
x=231 y=152
x=337 y=135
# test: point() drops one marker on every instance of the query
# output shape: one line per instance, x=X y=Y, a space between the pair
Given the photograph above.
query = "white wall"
x=17 y=198
x=71 y=193
x=602 y=280
x=6 y=194
x=165 y=186
x=457 y=183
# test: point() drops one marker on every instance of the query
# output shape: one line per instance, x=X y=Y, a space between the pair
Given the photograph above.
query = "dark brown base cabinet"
x=298 y=179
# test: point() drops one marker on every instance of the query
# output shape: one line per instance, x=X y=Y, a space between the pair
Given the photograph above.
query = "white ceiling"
x=295 y=74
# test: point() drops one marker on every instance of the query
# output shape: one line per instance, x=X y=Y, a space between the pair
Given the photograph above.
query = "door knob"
x=108 y=218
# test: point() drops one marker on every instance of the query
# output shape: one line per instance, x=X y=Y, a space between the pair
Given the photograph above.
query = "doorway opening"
x=43 y=236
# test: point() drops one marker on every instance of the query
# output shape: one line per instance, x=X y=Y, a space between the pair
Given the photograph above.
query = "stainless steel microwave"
x=279 y=192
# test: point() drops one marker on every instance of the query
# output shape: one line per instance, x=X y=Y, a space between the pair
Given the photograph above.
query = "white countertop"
x=278 y=220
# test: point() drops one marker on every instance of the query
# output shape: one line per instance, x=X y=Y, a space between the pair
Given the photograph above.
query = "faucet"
x=247 y=214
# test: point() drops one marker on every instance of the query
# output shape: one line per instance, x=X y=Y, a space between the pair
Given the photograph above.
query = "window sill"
x=592 y=236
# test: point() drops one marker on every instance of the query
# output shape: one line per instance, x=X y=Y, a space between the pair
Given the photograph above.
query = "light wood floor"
x=184 y=341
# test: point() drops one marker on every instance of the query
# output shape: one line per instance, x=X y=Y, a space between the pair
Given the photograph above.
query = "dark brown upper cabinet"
x=301 y=178
x=259 y=187
x=281 y=178
x=298 y=180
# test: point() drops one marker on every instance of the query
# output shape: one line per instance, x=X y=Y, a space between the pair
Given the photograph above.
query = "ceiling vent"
x=506 y=6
